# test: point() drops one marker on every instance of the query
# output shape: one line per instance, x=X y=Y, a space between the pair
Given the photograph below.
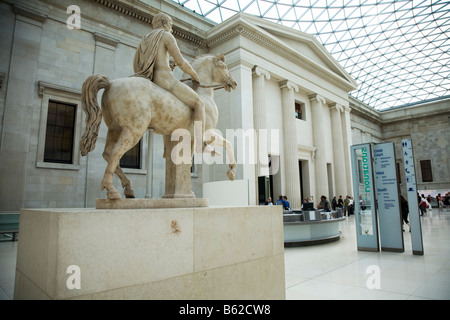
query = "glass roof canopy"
x=398 y=51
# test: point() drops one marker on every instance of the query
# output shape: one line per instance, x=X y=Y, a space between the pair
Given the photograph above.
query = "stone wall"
x=426 y=124
x=42 y=59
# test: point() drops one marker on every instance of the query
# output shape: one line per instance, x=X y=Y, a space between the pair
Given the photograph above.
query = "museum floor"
x=338 y=271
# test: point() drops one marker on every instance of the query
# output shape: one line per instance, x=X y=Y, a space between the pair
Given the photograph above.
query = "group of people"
x=425 y=202
x=443 y=200
x=282 y=201
x=424 y=205
x=347 y=205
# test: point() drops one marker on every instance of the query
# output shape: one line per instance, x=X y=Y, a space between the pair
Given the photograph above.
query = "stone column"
x=318 y=103
x=19 y=103
x=260 y=120
x=149 y=164
x=347 y=140
x=339 y=150
x=292 y=174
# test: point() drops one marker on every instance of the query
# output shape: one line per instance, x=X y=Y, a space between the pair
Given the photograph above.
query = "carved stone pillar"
x=347 y=140
x=292 y=175
x=320 y=164
x=339 y=150
x=150 y=143
x=19 y=103
x=259 y=119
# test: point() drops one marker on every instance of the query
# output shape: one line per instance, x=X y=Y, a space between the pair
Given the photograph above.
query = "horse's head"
x=221 y=73
x=214 y=69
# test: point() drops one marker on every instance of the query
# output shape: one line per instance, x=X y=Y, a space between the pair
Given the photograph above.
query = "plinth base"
x=173 y=254
x=151 y=203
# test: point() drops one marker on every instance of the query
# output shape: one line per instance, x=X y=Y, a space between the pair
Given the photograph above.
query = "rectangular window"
x=299 y=110
x=425 y=167
x=59 y=132
x=132 y=158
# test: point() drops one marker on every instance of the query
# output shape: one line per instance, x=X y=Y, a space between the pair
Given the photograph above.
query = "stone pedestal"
x=185 y=253
x=178 y=175
x=150 y=203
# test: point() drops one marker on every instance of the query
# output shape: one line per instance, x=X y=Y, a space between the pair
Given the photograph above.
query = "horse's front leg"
x=231 y=173
x=217 y=140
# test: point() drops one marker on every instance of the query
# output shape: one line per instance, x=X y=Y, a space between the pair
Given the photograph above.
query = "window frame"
x=140 y=158
x=51 y=92
x=66 y=128
x=302 y=115
x=422 y=169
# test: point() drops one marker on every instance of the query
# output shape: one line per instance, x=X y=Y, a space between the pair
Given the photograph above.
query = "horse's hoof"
x=230 y=174
x=113 y=195
x=129 y=194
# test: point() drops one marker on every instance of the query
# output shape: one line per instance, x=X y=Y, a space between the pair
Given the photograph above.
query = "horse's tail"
x=92 y=110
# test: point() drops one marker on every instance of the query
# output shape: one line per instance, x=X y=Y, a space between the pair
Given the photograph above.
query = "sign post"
x=414 y=218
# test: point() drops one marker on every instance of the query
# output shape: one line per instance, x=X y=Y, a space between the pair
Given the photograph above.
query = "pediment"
x=290 y=43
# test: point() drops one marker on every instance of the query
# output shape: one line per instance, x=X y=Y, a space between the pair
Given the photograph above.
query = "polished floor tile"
x=338 y=271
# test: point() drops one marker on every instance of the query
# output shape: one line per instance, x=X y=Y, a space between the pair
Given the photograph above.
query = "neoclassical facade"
x=288 y=83
x=291 y=120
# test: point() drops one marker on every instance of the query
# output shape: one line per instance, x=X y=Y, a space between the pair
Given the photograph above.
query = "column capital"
x=19 y=10
x=286 y=84
x=318 y=97
x=100 y=38
x=258 y=71
x=336 y=106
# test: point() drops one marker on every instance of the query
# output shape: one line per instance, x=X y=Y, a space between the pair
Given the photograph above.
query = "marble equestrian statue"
x=132 y=105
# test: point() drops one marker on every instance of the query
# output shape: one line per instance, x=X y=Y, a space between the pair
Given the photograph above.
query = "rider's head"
x=162 y=21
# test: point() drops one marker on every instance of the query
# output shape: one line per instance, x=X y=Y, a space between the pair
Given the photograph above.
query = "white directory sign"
x=389 y=214
x=363 y=191
x=410 y=177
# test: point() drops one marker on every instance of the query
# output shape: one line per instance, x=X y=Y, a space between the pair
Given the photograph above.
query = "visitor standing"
x=334 y=203
x=287 y=205
x=346 y=204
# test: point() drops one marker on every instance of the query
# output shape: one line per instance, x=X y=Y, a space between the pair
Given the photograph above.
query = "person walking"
x=405 y=211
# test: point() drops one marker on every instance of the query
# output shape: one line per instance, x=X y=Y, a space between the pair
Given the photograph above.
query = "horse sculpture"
x=130 y=106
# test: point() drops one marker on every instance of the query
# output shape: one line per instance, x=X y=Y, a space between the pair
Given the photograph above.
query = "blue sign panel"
x=389 y=214
x=364 y=195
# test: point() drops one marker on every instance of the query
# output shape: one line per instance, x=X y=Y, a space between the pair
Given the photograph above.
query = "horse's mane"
x=198 y=59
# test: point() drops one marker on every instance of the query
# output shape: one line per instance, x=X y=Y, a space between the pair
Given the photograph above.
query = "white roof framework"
x=398 y=51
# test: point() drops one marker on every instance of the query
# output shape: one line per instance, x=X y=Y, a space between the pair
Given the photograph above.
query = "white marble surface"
x=224 y=252
x=337 y=270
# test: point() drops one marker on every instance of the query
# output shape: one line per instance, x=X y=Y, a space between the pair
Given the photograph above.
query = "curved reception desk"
x=305 y=228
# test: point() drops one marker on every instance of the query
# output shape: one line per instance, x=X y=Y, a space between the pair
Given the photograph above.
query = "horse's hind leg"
x=117 y=143
x=126 y=184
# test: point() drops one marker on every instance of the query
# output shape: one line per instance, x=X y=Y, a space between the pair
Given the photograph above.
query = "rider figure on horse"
x=152 y=61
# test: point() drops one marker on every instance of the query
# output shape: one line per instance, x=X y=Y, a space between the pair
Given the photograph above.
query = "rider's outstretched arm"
x=174 y=51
